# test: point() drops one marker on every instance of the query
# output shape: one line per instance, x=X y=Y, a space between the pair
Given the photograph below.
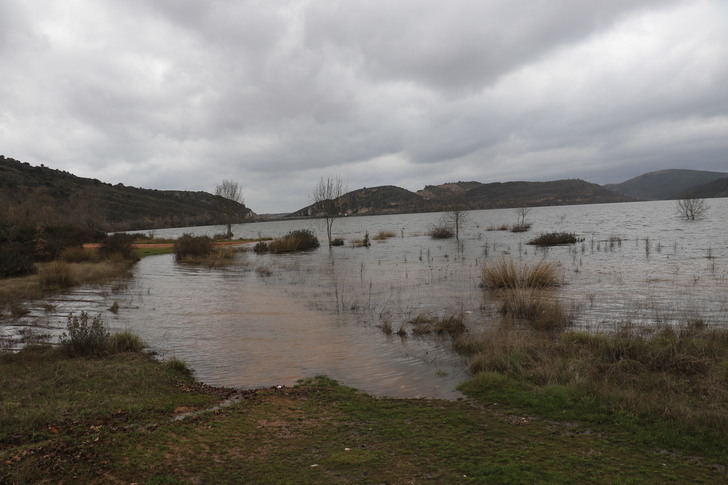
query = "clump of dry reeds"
x=382 y=235
x=542 y=312
x=441 y=232
x=56 y=274
x=506 y=274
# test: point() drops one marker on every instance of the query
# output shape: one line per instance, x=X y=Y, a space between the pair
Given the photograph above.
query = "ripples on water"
x=319 y=312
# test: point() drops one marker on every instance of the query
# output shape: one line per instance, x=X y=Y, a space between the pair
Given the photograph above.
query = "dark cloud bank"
x=180 y=94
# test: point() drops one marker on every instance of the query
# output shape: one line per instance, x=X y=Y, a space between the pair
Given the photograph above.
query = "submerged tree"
x=691 y=209
x=232 y=191
x=522 y=214
x=456 y=218
x=327 y=201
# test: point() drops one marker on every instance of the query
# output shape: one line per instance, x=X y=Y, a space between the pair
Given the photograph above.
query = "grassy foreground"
x=110 y=420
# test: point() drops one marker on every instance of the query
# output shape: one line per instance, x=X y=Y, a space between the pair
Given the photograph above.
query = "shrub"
x=505 y=274
x=261 y=248
x=85 y=336
x=441 y=232
x=192 y=246
x=300 y=240
x=178 y=366
x=555 y=239
x=56 y=274
x=337 y=242
x=16 y=260
x=362 y=243
x=120 y=244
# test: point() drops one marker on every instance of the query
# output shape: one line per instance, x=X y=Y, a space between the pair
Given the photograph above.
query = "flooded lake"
x=272 y=319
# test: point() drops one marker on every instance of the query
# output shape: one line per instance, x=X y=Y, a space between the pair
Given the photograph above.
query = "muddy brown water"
x=272 y=319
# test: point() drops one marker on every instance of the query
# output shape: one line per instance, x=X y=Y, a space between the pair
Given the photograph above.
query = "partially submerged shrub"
x=261 y=247
x=188 y=246
x=362 y=243
x=337 y=242
x=300 y=240
x=452 y=325
x=118 y=244
x=56 y=274
x=506 y=274
x=382 y=235
x=441 y=232
x=555 y=239
x=86 y=336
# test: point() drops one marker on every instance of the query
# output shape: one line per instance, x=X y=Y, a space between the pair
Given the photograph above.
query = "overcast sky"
x=179 y=94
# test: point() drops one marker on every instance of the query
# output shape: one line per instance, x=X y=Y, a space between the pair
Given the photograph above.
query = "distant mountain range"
x=668 y=184
x=42 y=195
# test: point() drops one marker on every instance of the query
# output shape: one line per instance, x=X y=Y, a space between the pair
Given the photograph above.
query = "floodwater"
x=272 y=319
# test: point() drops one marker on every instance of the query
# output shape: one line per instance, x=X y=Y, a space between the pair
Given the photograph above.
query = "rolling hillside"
x=665 y=184
x=44 y=195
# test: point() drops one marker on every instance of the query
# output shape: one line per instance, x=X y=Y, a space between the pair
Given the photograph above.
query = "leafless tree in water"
x=230 y=190
x=691 y=209
x=327 y=201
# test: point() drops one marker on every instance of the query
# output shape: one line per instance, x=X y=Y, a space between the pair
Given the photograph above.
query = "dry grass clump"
x=541 y=312
x=441 y=232
x=452 y=325
x=520 y=227
x=382 y=235
x=506 y=274
x=555 y=239
x=56 y=274
x=337 y=241
x=678 y=374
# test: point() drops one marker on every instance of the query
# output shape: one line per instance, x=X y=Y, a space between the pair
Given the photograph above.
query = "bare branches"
x=522 y=214
x=230 y=190
x=327 y=200
x=691 y=209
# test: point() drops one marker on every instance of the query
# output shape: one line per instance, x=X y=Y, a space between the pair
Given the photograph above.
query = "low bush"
x=119 y=244
x=189 y=246
x=362 y=243
x=261 y=247
x=337 y=242
x=300 y=240
x=555 y=239
x=87 y=336
x=441 y=232
x=506 y=274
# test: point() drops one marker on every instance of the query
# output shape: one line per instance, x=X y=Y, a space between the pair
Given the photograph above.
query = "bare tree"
x=456 y=218
x=327 y=201
x=522 y=214
x=230 y=190
x=691 y=209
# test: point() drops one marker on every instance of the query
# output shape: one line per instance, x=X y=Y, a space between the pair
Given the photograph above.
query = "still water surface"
x=272 y=319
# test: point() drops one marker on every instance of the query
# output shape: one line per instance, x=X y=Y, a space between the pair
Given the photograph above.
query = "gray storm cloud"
x=180 y=94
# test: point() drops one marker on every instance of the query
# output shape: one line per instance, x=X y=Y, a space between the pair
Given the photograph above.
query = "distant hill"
x=664 y=184
x=389 y=199
x=44 y=195
x=716 y=188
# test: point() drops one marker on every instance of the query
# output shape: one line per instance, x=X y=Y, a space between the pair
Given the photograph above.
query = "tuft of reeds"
x=506 y=274
x=520 y=227
x=441 y=232
x=382 y=235
x=555 y=239
x=56 y=274
x=530 y=305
